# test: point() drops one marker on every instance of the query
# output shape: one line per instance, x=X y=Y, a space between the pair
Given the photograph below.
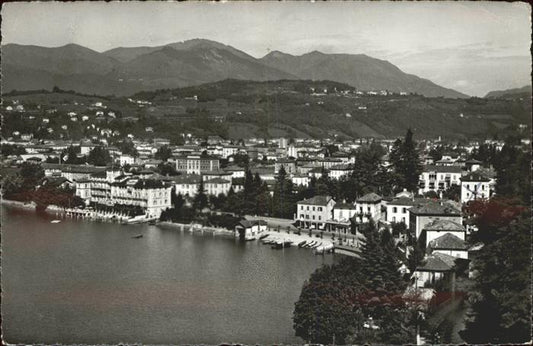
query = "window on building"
x=394 y=209
x=404 y=210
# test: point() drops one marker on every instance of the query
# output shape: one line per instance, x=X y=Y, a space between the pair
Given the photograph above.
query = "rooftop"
x=442 y=169
x=444 y=225
x=475 y=176
x=317 y=200
x=434 y=208
x=448 y=241
x=217 y=181
x=370 y=198
x=437 y=262
x=250 y=223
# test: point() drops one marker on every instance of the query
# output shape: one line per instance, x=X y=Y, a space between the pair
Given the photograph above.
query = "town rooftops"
x=434 y=208
x=317 y=200
x=187 y=179
x=404 y=201
x=475 y=176
x=217 y=181
x=473 y=162
x=448 y=241
x=234 y=169
x=437 y=262
x=140 y=183
x=444 y=225
x=101 y=174
x=442 y=169
x=285 y=161
x=344 y=206
x=250 y=223
x=73 y=168
x=217 y=173
x=342 y=167
x=370 y=198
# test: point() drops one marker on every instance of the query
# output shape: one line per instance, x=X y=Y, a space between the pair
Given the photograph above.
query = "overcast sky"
x=473 y=47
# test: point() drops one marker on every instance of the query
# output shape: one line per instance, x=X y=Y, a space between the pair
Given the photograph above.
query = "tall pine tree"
x=406 y=162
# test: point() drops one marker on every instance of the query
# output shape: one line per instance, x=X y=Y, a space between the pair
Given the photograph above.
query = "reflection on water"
x=82 y=282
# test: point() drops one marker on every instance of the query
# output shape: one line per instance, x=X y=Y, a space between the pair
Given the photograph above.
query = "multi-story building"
x=397 y=210
x=71 y=172
x=187 y=185
x=236 y=171
x=342 y=213
x=112 y=188
x=339 y=171
x=439 y=178
x=440 y=227
x=287 y=164
x=196 y=164
x=476 y=186
x=314 y=212
x=300 y=179
x=151 y=195
x=217 y=186
x=368 y=207
x=423 y=214
x=126 y=160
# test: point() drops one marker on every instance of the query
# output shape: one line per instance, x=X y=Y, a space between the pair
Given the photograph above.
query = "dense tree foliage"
x=99 y=156
x=358 y=300
x=11 y=149
x=406 y=162
x=500 y=302
x=164 y=153
x=283 y=201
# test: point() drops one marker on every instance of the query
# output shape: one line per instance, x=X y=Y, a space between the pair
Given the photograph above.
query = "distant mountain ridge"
x=358 y=70
x=124 y=71
x=510 y=92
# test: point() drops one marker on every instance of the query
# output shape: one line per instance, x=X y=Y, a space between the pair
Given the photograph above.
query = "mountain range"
x=125 y=71
x=523 y=91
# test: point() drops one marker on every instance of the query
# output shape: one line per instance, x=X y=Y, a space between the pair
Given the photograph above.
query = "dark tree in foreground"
x=500 y=302
x=358 y=300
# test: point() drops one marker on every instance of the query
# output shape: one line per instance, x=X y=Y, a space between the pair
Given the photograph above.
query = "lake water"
x=83 y=282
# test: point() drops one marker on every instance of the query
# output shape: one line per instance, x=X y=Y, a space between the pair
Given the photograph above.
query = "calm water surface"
x=82 y=282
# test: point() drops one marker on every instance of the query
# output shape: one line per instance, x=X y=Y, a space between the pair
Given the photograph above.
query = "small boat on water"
x=137 y=236
x=263 y=236
x=152 y=223
x=287 y=244
x=277 y=246
x=310 y=244
x=301 y=244
x=55 y=221
x=316 y=245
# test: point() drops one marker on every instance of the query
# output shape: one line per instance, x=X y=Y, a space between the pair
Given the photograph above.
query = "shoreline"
x=326 y=245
